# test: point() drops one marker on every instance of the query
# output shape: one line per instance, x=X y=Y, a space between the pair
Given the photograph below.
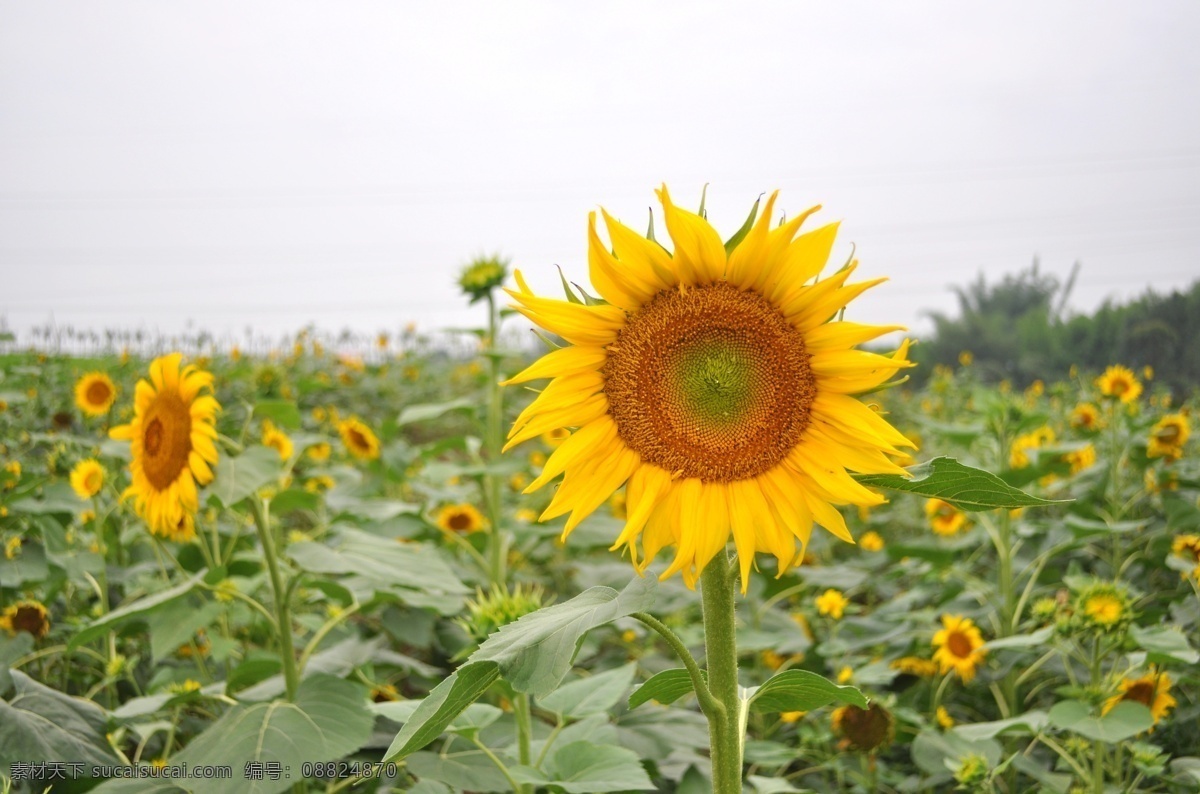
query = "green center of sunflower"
x=710 y=382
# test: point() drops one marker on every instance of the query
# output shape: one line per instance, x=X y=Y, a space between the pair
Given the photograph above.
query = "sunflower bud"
x=480 y=277
x=487 y=612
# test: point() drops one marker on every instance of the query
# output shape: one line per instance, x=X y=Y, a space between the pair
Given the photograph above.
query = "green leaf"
x=1029 y=722
x=282 y=412
x=12 y=649
x=595 y=694
x=1127 y=719
x=175 y=624
x=586 y=768
x=665 y=687
x=329 y=720
x=931 y=751
x=440 y=707
x=965 y=487
x=42 y=724
x=533 y=653
x=801 y=690
x=133 y=610
x=734 y=241
x=426 y=411
x=240 y=476
x=1164 y=644
x=1033 y=640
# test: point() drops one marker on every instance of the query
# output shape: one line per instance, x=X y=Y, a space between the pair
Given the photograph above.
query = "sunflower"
x=717 y=385
x=87 y=478
x=320 y=451
x=1086 y=416
x=1080 y=459
x=95 y=393
x=1119 y=382
x=359 y=439
x=1104 y=608
x=944 y=518
x=1152 y=690
x=915 y=665
x=277 y=440
x=832 y=604
x=1168 y=437
x=171 y=435
x=1022 y=445
x=958 y=646
x=864 y=729
x=30 y=617
x=464 y=518
x=871 y=541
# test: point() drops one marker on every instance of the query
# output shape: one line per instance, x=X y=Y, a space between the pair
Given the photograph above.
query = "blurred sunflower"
x=277 y=440
x=832 y=604
x=1152 y=690
x=171 y=436
x=1080 y=459
x=359 y=439
x=320 y=451
x=959 y=646
x=95 y=393
x=30 y=617
x=1022 y=445
x=864 y=729
x=1119 y=382
x=944 y=518
x=717 y=382
x=915 y=665
x=464 y=518
x=1168 y=437
x=871 y=541
x=87 y=478
x=1086 y=416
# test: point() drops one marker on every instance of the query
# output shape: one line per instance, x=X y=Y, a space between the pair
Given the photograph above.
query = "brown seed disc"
x=166 y=439
x=711 y=382
x=98 y=392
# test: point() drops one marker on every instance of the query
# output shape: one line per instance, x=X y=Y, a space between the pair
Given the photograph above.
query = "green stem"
x=708 y=704
x=283 y=616
x=524 y=718
x=496 y=550
x=725 y=728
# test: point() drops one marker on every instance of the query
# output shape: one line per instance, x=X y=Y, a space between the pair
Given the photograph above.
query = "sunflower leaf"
x=965 y=487
x=665 y=687
x=1125 y=720
x=801 y=690
x=138 y=609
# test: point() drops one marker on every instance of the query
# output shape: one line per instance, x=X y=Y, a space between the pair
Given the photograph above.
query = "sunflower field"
x=697 y=540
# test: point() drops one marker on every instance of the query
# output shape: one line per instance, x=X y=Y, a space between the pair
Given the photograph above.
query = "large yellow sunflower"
x=95 y=393
x=1119 y=382
x=716 y=386
x=1168 y=437
x=171 y=437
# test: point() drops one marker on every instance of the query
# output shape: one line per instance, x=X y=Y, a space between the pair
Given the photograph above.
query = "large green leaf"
x=801 y=690
x=42 y=724
x=329 y=720
x=586 y=768
x=1029 y=722
x=595 y=694
x=138 y=609
x=965 y=487
x=1032 y=640
x=239 y=476
x=1164 y=644
x=1127 y=719
x=533 y=654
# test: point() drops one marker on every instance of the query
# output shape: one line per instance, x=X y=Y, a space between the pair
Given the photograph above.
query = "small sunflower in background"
x=944 y=518
x=864 y=729
x=277 y=440
x=1152 y=690
x=461 y=518
x=1168 y=437
x=958 y=647
x=172 y=441
x=832 y=604
x=95 y=393
x=30 y=617
x=1086 y=416
x=480 y=277
x=87 y=478
x=359 y=439
x=1119 y=383
x=716 y=383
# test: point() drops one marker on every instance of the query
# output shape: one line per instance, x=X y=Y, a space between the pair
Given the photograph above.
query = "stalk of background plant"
x=283 y=616
x=497 y=546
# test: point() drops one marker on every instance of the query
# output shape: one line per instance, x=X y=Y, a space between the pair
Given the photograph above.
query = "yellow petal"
x=564 y=361
x=699 y=252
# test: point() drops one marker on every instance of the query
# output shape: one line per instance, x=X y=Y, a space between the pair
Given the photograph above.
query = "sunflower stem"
x=496 y=551
x=725 y=730
x=283 y=616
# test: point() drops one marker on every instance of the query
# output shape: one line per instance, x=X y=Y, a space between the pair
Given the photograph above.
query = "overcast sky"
x=273 y=164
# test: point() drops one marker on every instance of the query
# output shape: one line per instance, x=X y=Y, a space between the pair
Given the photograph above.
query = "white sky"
x=271 y=164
